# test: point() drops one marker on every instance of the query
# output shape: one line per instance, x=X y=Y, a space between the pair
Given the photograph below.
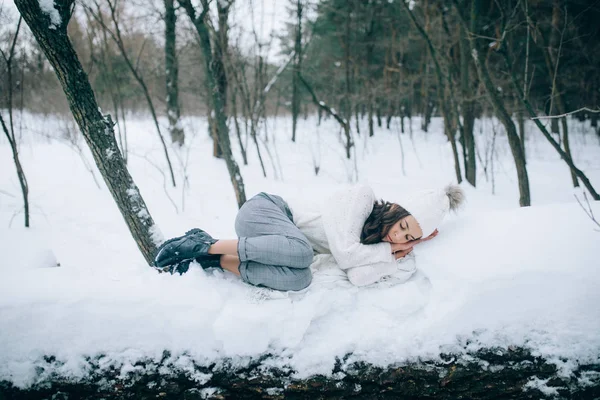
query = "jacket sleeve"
x=343 y=218
x=397 y=272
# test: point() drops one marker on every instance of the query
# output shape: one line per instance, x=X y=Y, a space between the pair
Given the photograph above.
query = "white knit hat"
x=430 y=207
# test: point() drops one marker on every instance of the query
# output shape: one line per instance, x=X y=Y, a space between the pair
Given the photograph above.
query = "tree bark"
x=448 y=129
x=552 y=60
x=521 y=123
x=297 y=69
x=499 y=108
x=10 y=135
x=219 y=51
x=97 y=129
x=343 y=122
x=346 y=101
x=468 y=111
x=199 y=22
x=20 y=172
x=548 y=136
x=172 y=75
x=119 y=42
x=487 y=374
x=370 y=114
x=237 y=127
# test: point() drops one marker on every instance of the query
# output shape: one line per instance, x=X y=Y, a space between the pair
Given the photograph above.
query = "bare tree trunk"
x=347 y=103
x=200 y=23
x=323 y=106
x=547 y=135
x=220 y=49
x=10 y=135
x=106 y=65
x=425 y=100
x=370 y=113
x=20 y=172
x=370 y=48
x=237 y=127
x=8 y=59
x=116 y=36
x=125 y=148
x=50 y=31
x=521 y=123
x=297 y=69
x=256 y=115
x=499 y=108
x=511 y=131
x=448 y=128
x=172 y=75
x=467 y=111
x=553 y=59
x=389 y=117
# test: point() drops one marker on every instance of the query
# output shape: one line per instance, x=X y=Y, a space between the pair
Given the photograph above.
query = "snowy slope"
x=496 y=275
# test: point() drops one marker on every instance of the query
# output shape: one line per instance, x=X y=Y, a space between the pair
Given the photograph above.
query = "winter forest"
x=128 y=122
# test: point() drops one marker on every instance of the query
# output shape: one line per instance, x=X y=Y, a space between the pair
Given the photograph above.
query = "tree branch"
x=567 y=113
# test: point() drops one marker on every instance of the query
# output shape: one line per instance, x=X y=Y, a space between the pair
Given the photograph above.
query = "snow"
x=541 y=385
x=48 y=7
x=496 y=276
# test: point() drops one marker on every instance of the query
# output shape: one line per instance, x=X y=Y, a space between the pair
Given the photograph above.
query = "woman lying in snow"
x=276 y=243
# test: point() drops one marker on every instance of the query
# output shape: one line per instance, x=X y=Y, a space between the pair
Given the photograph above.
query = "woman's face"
x=404 y=231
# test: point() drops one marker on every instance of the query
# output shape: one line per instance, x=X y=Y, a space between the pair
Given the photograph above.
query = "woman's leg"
x=228 y=246
x=230 y=263
x=271 y=249
x=272 y=276
x=267 y=234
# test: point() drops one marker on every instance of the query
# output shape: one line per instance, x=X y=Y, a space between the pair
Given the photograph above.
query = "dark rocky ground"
x=490 y=374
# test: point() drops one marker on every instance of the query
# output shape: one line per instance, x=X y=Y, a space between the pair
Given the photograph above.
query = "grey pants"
x=272 y=250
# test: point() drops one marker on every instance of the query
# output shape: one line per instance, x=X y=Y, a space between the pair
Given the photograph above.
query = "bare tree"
x=446 y=113
x=201 y=23
x=118 y=39
x=552 y=53
x=297 y=67
x=172 y=73
x=10 y=134
x=220 y=47
x=498 y=104
x=105 y=65
x=330 y=111
x=468 y=111
x=49 y=26
x=584 y=179
x=517 y=86
x=252 y=89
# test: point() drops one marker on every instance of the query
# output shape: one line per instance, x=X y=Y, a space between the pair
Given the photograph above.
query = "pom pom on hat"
x=430 y=207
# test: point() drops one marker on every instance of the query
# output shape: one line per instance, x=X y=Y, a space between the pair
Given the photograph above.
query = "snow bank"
x=496 y=276
x=507 y=278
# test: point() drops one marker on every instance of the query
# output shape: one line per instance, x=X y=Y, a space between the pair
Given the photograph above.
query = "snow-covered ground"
x=497 y=274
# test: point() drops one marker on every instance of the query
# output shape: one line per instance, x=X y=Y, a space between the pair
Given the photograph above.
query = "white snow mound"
x=525 y=277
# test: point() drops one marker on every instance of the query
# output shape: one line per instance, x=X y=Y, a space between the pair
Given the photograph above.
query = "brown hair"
x=381 y=220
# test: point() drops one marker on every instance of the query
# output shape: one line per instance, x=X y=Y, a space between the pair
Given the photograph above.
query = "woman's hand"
x=402 y=253
x=397 y=247
x=402 y=246
x=434 y=234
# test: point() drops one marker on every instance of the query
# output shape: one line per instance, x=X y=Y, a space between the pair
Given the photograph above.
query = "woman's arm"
x=343 y=218
x=369 y=274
